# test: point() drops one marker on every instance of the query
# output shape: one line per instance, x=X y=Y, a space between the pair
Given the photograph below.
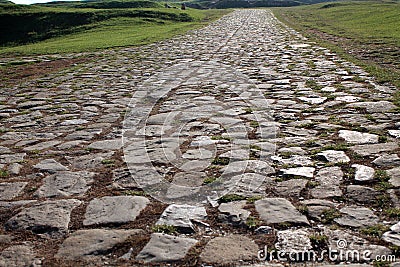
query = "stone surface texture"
x=196 y=150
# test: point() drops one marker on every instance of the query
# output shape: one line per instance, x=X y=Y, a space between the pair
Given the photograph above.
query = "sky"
x=27 y=2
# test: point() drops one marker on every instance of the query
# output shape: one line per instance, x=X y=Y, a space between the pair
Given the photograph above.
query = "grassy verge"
x=119 y=31
x=365 y=32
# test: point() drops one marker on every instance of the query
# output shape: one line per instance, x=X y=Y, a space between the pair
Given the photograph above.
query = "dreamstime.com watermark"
x=339 y=254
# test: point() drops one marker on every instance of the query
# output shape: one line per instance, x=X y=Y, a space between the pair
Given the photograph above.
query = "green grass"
x=393 y=212
x=163 y=228
x=231 y=197
x=370 y=29
x=329 y=215
x=119 y=32
x=3 y=173
x=375 y=230
x=318 y=241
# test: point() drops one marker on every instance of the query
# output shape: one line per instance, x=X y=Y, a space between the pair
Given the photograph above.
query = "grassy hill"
x=250 y=3
x=366 y=32
x=32 y=24
x=104 y=4
x=63 y=27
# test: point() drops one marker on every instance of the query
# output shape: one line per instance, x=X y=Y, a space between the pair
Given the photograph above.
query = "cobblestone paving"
x=200 y=150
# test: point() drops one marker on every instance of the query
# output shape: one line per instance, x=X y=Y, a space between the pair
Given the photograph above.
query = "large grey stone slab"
x=334 y=156
x=90 y=161
x=81 y=135
x=363 y=173
x=393 y=236
x=12 y=158
x=374 y=107
x=66 y=184
x=42 y=146
x=362 y=194
x=50 y=165
x=93 y=242
x=291 y=188
x=357 y=217
x=107 y=144
x=233 y=212
x=256 y=166
x=165 y=248
x=300 y=171
x=17 y=256
x=354 y=137
x=329 y=180
x=248 y=184
x=229 y=250
x=316 y=207
x=394 y=176
x=114 y=209
x=387 y=160
x=181 y=216
x=9 y=191
x=294 y=160
x=50 y=216
x=279 y=210
x=372 y=149
x=293 y=240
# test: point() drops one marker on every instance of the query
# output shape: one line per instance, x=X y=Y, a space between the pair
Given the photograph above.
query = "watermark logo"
x=342 y=253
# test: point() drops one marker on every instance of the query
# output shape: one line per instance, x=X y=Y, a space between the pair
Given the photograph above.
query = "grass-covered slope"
x=250 y=3
x=39 y=30
x=366 y=31
x=103 y=4
x=33 y=24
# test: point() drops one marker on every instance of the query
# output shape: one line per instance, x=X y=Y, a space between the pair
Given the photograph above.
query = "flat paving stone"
x=279 y=210
x=90 y=161
x=107 y=144
x=334 y=156
x=182 y=216
x=165 y=248
x=354 y=137
x=12 y=158
x=66 y=183
x=362 y=194
x=293 y=240
x=300 y=171
x=373 y=149
x=52 y=216
x=9 y=191
x=357 y=217
x=17 y=256
x=291 y=188
x=393 y=236
x=93 y=242
x=114 y=209
x=328 y=180
x=229 y=250
x=317 y=207
x=42 y=146
x=50 y=165
x=394 y=175
x=372 y=107
x=234 y=212
x=363 y=173
x=387 y=160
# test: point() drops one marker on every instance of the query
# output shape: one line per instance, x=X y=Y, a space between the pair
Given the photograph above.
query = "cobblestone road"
x=200 y=150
